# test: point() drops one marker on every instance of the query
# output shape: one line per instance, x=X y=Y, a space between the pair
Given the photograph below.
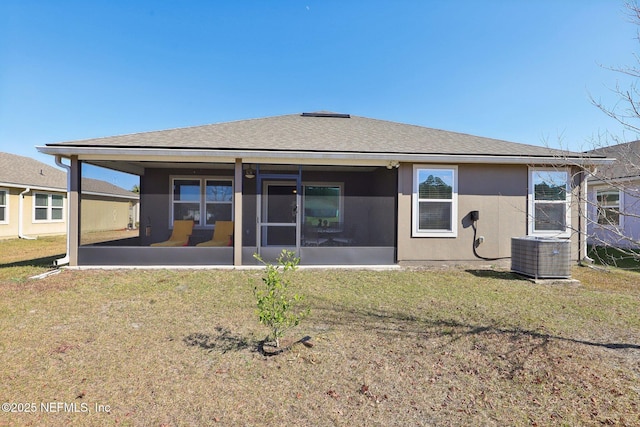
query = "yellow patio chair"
x=222 y=235
x=182 y=229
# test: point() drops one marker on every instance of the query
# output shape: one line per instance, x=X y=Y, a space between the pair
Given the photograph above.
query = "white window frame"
x=203 y=197
x=49 y=207
x=598 y=207
x=340 y=185
x=532 y=202
x=5 y=220
x=415 y=222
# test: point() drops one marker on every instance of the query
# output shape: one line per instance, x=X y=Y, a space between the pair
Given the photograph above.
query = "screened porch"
x=327 y=215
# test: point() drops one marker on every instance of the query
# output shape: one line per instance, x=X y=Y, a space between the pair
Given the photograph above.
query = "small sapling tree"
x=277 y=308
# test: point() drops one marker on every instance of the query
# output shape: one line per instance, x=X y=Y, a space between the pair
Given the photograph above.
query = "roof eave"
x=601 y=180
x=304 y=157
x=35 y=187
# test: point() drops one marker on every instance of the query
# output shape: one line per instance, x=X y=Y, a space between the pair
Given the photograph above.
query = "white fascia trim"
x=300 y=157
x=33 y=187
x=64 y=192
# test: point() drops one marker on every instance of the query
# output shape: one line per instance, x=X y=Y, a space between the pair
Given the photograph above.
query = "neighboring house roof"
x=21 y=171
x=98 y=186
x=25 y=171
x=626 y=165
x=316 y=133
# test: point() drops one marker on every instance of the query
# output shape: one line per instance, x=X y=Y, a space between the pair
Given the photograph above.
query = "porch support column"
x=237 y=214
x=73 y=204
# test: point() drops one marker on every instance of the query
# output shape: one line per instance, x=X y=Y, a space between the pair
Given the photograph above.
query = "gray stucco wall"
x=498 y=192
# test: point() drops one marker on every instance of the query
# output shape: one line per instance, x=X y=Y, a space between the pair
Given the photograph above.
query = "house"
x=334 y=188
x=33 y=200
x=614 y=198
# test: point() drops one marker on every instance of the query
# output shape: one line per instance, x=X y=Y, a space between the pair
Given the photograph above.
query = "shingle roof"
x=103 y=187
x=319 y=133
x=25 y=171
x=22 y=170
x=627 y=164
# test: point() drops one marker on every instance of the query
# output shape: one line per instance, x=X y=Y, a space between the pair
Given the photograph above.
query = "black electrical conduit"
x=475 y=244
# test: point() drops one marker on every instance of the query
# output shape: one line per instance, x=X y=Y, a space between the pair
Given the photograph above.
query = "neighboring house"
x=614 y=198
x=33 y=200
x=334 y=188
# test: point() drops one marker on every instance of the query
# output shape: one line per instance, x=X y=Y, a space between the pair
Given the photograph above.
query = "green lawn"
x=407 y=347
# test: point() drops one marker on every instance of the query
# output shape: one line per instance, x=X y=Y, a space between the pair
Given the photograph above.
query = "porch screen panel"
x=186 y=199
x=280 y=215
x=355 y=208
x=279 y=236
x=369 y=221
x=281 y=207
x=321 y=205
x=218 y=200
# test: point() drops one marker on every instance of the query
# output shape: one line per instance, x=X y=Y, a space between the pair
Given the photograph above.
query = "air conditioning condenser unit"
x=541 y=258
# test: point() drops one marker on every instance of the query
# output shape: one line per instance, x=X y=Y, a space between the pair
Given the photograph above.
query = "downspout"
x=65 y=260
x=584 y=216
x=20 y=215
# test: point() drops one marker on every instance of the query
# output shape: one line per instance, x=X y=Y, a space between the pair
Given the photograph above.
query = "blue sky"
x=519 y=70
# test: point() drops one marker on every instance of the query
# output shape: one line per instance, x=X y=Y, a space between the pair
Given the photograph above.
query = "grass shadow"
x=511 y=348
x=393 y=322
x=495 y=274
x=267 y=348
x=224 y=340
x=37 y=262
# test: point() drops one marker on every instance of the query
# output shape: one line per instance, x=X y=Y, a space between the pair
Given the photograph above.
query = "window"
x=4 y=208
x=549 y=209
x=322 y=204
x=191 y=196
x=48 y=207
x=608 y=207
x=435 y=201
x=218 y=199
